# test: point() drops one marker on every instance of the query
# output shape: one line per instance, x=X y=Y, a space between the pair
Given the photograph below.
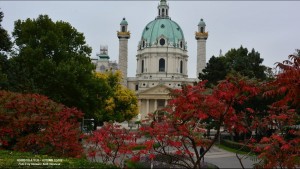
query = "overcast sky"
x=270 y=27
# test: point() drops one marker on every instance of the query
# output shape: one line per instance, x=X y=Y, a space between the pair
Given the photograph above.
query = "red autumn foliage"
x=276 y=151
x=287 y=83
x=282 y=148
x=179 y=128
x=32 y=122
x=112 y=144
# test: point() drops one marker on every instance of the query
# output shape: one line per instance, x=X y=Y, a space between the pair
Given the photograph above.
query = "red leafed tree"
x=113 y=144
x=282 y=148
x=179 y=128
x=176 y=133
x=287 y=82
x=32 y=122
x=179 y=131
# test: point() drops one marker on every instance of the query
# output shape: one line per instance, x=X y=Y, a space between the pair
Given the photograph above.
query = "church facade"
x=162 y=59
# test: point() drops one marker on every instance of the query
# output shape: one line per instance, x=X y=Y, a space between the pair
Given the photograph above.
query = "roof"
x=201 y=23
x=163 y=28
x=124 y=22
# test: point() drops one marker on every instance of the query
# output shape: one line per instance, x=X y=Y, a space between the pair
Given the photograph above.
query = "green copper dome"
x=201 y=23
x=163 y=28
x=124 y=22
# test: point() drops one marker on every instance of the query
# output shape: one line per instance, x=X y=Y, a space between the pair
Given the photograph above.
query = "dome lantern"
x=163 y=9
x=201 y=26
x=123 y=25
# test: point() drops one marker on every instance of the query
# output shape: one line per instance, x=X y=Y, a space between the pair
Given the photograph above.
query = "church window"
x=162 y=26
x=123 y=29
x=162 y=41
x=180 y=44
x=161 y=65
x=102 y=68
x=143 y=43
x=181 y=66
x=202 y=30
x=142 y=66
x=166 y=11
x=159 y=12
x=163 y=12
x=136 y=87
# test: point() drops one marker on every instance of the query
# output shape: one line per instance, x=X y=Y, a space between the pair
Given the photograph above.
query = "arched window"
x=142 y=66
x=162 y=65
x=180 y=44
x=181 y=66
x=158 y=12
x=143 y=43
x=162 y=42
x=202 y=29
x=102 y=68
x=123 y=29
x=163 y=12
x=136 y=87
x=166 y=11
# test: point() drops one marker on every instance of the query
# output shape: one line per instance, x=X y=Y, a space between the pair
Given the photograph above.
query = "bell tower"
x=123 y=36
x=201 y=37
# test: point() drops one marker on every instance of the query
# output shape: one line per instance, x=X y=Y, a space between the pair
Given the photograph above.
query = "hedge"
x=235 y=145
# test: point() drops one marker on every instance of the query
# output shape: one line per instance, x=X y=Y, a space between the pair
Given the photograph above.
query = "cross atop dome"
x=163 y=9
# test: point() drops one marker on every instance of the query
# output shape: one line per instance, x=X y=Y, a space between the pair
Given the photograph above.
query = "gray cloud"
x=270 y=27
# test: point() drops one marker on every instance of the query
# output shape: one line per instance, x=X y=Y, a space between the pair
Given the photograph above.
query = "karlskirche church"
x=162 y=58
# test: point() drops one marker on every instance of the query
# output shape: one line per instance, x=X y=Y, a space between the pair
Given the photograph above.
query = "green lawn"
x=13 y=159
x=232 y=149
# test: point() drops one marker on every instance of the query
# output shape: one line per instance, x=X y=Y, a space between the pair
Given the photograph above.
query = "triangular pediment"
x=156 y=90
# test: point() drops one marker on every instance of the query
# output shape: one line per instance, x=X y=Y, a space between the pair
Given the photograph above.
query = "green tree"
x=5 y=46
x=52 y=59
x=246 y=63
x=215 y=70
x=5 y=43
x=239 y=61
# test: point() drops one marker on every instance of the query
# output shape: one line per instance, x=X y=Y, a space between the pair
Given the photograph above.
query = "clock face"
x=162 y=42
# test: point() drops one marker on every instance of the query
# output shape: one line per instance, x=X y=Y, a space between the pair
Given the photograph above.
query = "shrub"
x=32 y=122
x=235 y=145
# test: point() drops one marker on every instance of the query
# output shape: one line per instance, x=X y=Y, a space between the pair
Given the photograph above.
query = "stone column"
x=155 y=104
x=201 y=37
x=140 y=105
x=123 y=36
x=201 y=55
x=123 y=61
x=148 y=109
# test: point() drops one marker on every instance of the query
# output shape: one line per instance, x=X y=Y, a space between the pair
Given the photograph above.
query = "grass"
x=142 y=147
x=14 y=159
x=233 y=150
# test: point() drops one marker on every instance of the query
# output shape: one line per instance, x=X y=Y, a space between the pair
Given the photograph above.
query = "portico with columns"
x=153 y=99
